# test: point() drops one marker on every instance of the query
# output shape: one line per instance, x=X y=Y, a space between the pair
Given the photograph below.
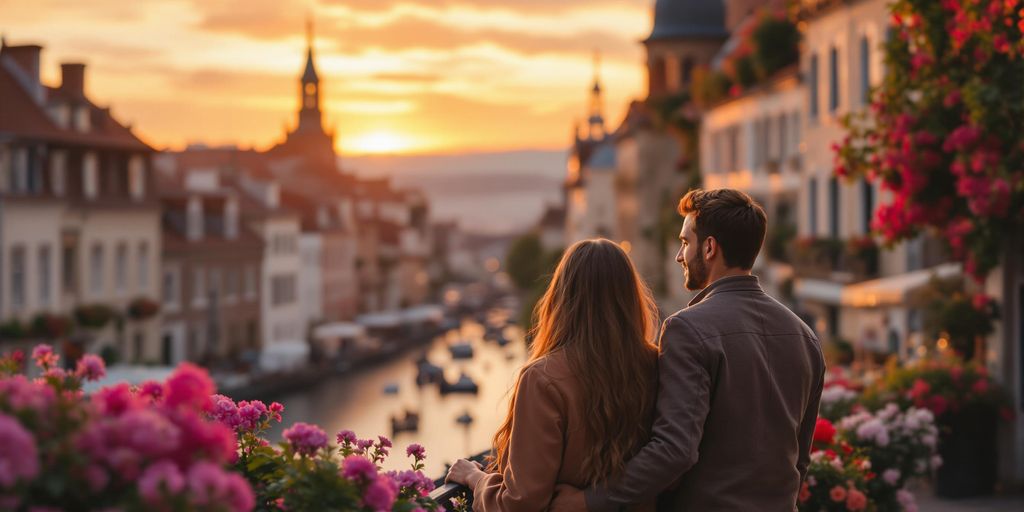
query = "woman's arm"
x=534 y=453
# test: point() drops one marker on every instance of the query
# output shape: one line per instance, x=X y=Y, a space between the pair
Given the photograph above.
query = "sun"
x=378 y=143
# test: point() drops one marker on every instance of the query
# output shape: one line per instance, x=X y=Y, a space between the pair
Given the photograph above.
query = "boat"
x=427 y=372
x=391 y=389
x=461 y=350
x=465 y=384
x=408 y=423
x=466 y=419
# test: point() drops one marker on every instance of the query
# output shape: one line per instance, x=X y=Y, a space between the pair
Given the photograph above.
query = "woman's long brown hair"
x=600 y=314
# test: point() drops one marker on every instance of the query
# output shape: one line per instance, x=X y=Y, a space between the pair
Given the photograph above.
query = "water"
x=357 y=401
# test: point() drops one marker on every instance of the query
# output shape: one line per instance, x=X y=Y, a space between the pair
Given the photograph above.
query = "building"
x=79 y=221
x=211 y=276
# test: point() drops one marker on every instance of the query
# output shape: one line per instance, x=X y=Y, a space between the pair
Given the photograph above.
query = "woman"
x=583 y=402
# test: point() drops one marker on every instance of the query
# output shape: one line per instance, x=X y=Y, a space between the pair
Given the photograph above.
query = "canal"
x=358 y=401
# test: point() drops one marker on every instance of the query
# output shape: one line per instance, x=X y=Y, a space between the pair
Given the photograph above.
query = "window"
x=18 y=277
x=96 y=269
x=143 y=267
x=19 y=172
x=865 y=70
x=868 y=198
x=69 y=266
x=58 y=173
x=170 y=288
x=121 y=267
x=45 y=275
x=90 y=176
x=812 y=86
x=833 y=79
x=282 y=289
x=231 y=283
x=250 y=281
x=215 y=287
x=136 y=177
x=833 y=207
x=812 y=205
x=783 y=136
x=198 y=286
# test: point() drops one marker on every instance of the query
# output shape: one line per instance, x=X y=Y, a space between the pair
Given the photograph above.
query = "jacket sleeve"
x=684 y=391
x=535 y=450
x=810 y=420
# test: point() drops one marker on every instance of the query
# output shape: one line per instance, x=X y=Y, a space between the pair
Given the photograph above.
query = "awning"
x=385 y=320
x=894 y=290
x=818 y=290
x=339 y=330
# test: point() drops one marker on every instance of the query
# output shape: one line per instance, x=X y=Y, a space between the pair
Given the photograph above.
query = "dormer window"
x=82 y=121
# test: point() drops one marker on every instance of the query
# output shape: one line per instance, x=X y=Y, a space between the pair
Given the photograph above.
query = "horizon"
x=403 y=77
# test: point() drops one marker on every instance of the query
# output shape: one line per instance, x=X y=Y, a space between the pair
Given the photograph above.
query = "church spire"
x=309 y=88
x=595 y=123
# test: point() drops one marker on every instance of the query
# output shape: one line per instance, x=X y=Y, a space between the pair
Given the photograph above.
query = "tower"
x=686 y=34
x=310 y=118
x=595 y=121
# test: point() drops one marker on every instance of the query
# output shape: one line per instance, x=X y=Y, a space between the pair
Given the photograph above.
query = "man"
x=740 y=378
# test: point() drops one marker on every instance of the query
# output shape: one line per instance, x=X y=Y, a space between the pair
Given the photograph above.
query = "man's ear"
x=711 y=248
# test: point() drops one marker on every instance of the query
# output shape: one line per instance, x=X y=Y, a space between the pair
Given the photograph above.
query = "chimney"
x=72 y=79
x=26 y=59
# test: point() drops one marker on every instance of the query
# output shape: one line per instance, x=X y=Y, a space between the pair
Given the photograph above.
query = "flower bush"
x=142 y=308
x=945 y=132
x=838 y=402
x=901 y=445
x=178 y=447
x=834 y=482
x=306 y=473
x=944 y=386
x=122 y=448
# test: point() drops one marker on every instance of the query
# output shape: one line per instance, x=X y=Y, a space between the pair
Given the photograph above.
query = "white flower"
x=891 y=476
x=906 y=498
x=811 y=481
x=837 y=463
x=936 y=461
x=929 y=440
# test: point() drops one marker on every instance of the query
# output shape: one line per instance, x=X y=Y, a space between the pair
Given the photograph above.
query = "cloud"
x=406 y=77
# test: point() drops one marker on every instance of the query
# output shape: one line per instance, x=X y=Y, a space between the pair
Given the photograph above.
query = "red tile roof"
x=22 y=117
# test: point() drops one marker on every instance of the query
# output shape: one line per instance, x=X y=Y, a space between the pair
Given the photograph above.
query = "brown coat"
x=547 y=444
x=740 y=378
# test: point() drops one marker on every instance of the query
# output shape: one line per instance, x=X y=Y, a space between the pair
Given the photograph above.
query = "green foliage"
x=776 y=45
x=530 y=268
x=949 y=311
x=12 y=330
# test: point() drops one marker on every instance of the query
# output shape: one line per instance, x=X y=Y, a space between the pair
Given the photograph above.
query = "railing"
x=443 y=493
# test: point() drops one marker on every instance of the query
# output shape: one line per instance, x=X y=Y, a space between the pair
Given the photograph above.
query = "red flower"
x=824 y=432
x=980 y=302
x=938 y=404
x=980 y=386
x=805 y=493
x=919 y=389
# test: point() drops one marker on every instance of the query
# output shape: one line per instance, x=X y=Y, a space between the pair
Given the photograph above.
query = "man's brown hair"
x=736 y=221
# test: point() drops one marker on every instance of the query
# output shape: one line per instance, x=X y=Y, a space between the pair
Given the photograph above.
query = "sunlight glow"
x=378 y=143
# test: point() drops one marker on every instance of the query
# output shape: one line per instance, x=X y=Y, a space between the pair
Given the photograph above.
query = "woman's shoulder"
x=553 y=366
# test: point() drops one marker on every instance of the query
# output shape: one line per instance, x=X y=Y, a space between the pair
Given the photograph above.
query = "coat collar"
x=727 y=284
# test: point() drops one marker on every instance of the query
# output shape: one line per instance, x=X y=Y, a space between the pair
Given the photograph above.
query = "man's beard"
x=696 y=274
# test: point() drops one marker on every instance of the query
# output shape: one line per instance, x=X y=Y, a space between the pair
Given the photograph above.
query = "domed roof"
x=688 y=18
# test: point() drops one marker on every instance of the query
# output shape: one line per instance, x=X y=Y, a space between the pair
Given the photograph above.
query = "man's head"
x=722 y=233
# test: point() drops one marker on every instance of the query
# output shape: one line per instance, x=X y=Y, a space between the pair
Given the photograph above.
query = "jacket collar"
x=727 y=284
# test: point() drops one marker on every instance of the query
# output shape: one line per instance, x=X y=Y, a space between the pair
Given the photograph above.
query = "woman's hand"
x=466 y=473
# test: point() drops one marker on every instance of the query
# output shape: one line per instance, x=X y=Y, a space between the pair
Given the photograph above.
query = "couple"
x=718 y=416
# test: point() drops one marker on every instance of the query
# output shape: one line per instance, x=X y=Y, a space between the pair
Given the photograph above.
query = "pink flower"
x=225 y=411
x=346 y=437
x=856 y=500
x=206 y=483
x=160 y=481
x=44 y=357
x=380 y=494
x=152 y=390
x=838 y=493
x=96 y=477
x=980 y=386
x=238 y=493
x=91 y=367
x=363 y=444
x=306 y=439
x=189 y=386
x=19 y=459
x=980 y=301
x=114 y=400
x=275 y=411
x=891 y=476
x=147 y=432
x=416 y=451
x=383 y=442
x=356 y=467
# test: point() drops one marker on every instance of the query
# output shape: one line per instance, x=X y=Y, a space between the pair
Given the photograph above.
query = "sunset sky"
x=405 y=76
